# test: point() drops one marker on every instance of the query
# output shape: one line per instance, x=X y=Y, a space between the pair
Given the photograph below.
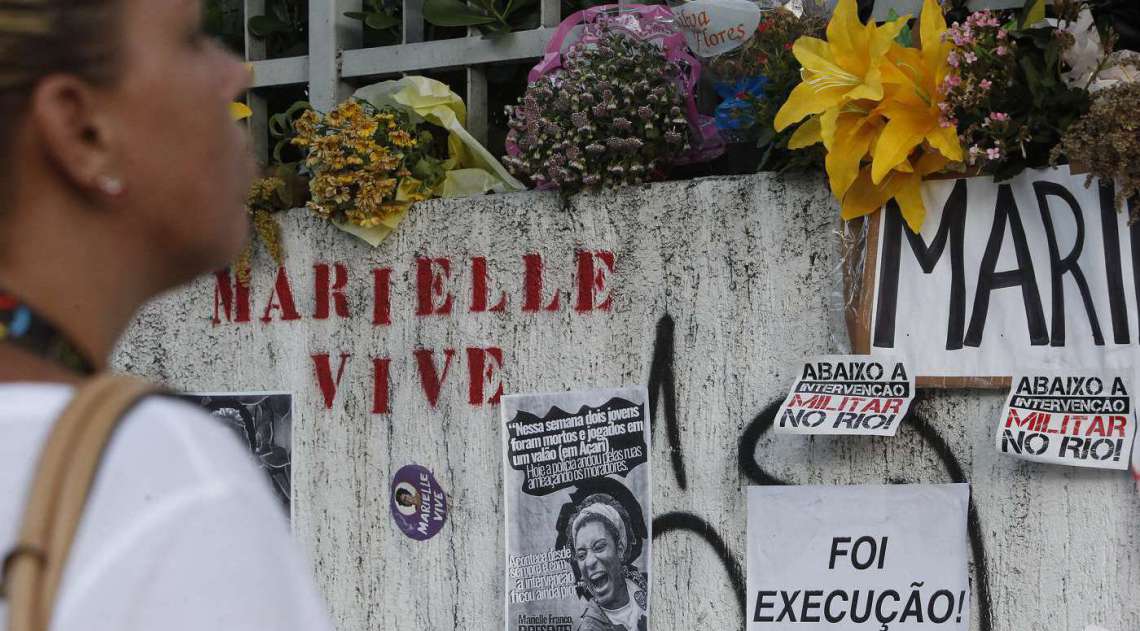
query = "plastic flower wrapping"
x=611 y=104
x=752 y=69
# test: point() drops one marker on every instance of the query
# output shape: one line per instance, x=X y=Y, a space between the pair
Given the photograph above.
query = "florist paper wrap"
x=469 y=170
x=649 y=23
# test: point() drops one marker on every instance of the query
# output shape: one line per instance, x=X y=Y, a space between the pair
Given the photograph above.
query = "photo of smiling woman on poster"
x=601 y=540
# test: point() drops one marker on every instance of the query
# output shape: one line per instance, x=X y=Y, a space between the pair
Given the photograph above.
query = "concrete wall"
x=719 y=287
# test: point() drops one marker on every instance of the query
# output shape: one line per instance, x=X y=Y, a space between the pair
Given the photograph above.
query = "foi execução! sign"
x=1039 y=271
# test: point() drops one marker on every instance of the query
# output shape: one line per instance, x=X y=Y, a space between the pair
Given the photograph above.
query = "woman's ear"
x=75 y=133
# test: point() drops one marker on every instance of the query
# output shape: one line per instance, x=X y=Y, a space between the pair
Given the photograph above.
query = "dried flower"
x=1106 y=141
x=267 y=196
x=624 y=112
x=358 y=157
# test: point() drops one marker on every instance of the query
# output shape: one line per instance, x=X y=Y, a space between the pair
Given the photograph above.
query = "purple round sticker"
x=418 y=504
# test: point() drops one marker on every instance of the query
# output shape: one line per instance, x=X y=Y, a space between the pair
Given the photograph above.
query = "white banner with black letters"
x=857 y=558
x=1037 y=271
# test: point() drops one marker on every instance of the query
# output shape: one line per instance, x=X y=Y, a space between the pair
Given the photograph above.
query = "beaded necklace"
x=23 y=327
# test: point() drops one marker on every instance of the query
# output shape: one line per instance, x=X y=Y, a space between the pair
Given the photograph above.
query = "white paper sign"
x=714 y=27
x=578 y=514
x=1078 y=419
x=847 y=394
x=1038 y=271
x=857 y=558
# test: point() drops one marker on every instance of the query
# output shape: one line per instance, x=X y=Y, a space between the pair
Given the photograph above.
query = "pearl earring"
x=112 y=186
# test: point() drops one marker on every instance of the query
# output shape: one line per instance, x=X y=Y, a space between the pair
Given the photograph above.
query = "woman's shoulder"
x=170 y=442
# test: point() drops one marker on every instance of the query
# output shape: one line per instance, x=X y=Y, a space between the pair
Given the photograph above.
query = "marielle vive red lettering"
x=433 y=291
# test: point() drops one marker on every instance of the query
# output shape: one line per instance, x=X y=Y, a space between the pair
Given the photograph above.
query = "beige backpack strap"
x=63 y=478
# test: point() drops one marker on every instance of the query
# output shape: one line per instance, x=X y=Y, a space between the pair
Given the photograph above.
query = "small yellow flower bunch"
x=874 y=104
x=358 y=159
x=267 y=196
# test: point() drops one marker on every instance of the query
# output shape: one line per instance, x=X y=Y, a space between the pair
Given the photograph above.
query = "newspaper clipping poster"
x=847 y=395
x=577 y=488
x=858 y=558
x=1078 y=419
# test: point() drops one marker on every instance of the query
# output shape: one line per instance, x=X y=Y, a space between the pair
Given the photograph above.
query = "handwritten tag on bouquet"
x=715 y=27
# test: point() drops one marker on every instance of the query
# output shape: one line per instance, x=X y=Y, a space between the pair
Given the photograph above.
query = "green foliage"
x=1041 y=100
x=282 y=128
x=284 y=28
x=490 y=16
x=222 y=19
x=378 y=16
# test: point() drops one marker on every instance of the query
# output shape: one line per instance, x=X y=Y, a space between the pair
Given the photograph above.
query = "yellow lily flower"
x=240 y=111
x=884 y=134
x=914 y=83
x=903 y=184
x=843 y=68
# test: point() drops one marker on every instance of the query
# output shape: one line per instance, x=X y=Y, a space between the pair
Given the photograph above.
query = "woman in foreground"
x=124 y=177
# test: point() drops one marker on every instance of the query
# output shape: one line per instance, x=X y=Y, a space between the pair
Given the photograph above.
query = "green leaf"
x=296 y=107
x=453 y=13
x=278 y=148
x=381 y=21
x=518 y=5
x=356 y=15
x=1032 y=13
x=262 y=26
x=278 y=125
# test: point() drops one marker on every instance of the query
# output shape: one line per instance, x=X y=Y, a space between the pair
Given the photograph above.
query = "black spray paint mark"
x=688 y=522
x=662 y=380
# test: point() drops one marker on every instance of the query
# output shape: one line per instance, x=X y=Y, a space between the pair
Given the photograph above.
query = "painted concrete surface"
x=719 y=287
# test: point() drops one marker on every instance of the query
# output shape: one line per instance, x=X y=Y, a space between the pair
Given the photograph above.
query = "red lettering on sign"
x=382 y=296
x=1030 y=422
x=232 y=297
x=484 y=373
x=333 y=291
x=431 y=278
x=431 y=379
x=592 y=280
x=1116 y=425
x=381 y=397
x=532 y=285
x=325 y=380
x=284 y=293
x=480 y=292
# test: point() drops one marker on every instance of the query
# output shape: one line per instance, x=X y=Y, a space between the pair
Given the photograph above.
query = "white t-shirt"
x=181 y=531
x=628 y=616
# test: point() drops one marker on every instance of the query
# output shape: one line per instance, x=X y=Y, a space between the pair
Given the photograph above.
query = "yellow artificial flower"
x=903 y=184
x=896 y=127
x=240 y=111
x=914 y=83
x=844 y=68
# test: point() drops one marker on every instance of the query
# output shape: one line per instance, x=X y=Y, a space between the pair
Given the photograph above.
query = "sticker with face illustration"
x=418 y=503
